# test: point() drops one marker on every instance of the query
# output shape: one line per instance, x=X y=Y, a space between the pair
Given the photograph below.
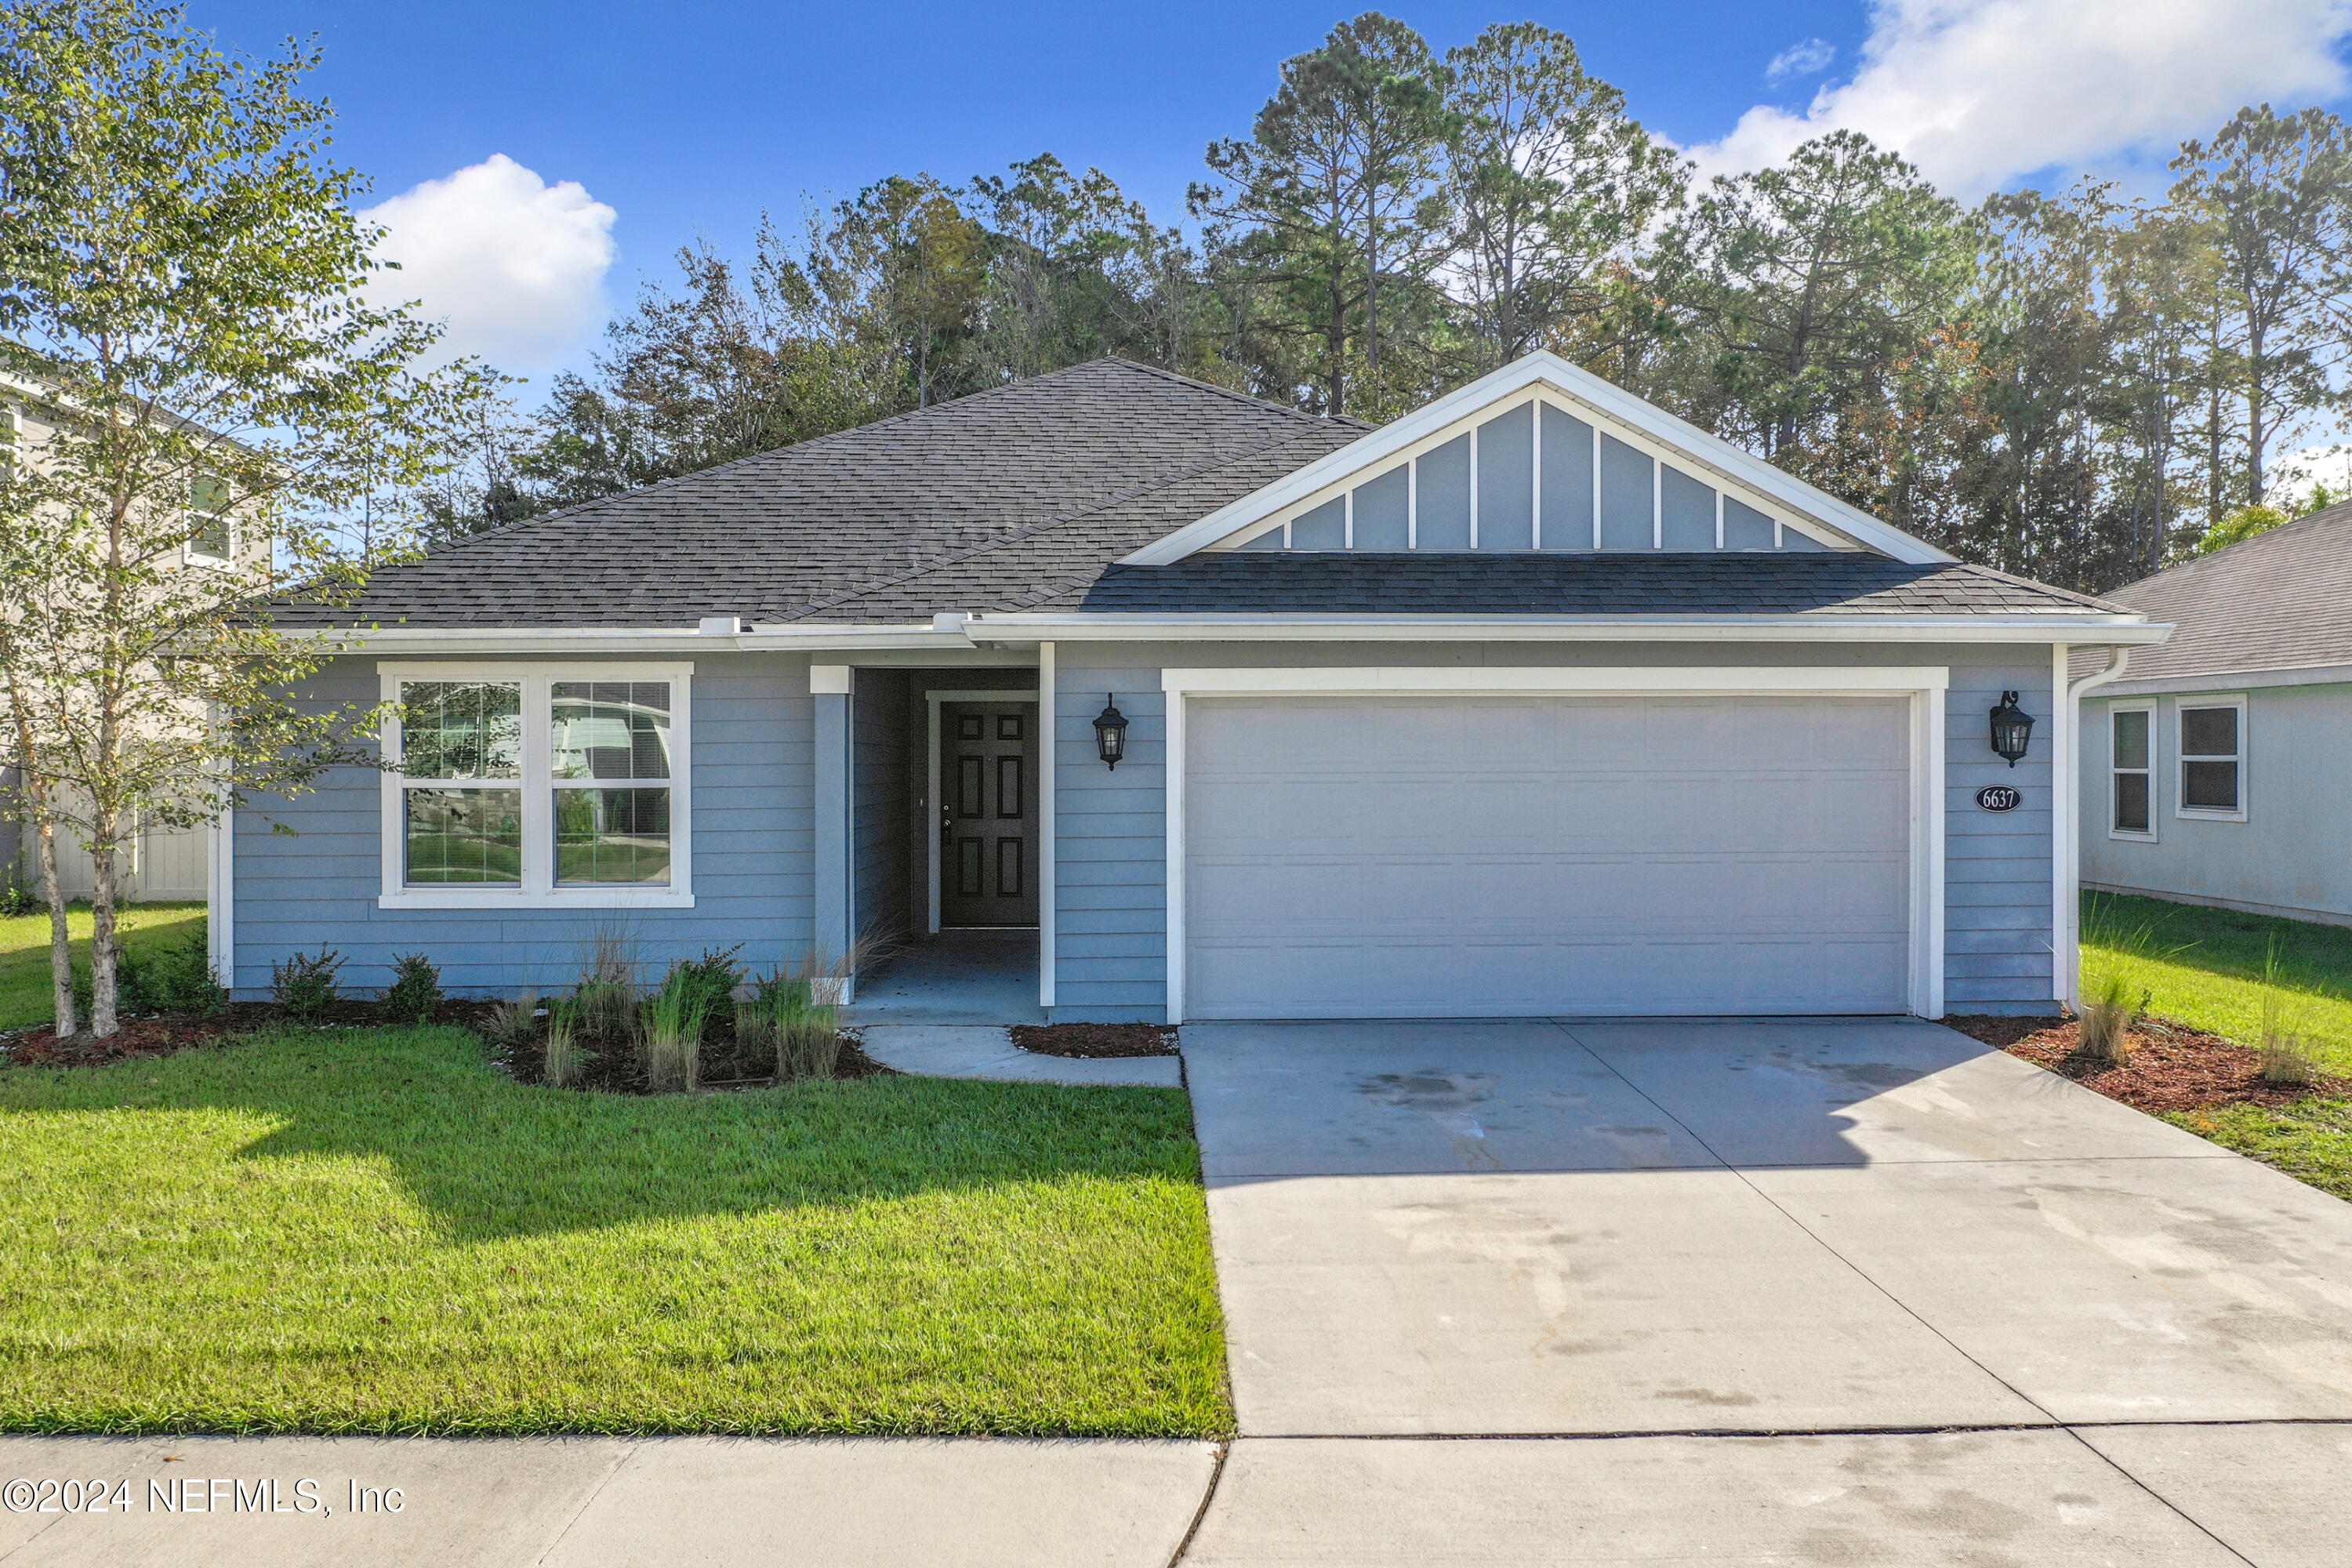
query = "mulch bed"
x=612 y=1068
x=2168 y=1067
x=1095 y=1039
x=38 y=1046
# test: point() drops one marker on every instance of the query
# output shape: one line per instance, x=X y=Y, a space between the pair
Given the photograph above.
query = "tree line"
x=2073 y=386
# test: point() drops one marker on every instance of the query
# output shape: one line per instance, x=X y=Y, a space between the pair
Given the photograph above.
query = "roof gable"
x=1538 y=455
x=2281 y=600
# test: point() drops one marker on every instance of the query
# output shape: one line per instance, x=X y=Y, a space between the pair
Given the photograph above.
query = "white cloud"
x=516 y=265
x=1976 y=92
x=1810 y=57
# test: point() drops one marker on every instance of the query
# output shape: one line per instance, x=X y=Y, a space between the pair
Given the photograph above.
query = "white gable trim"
x=1675 y=439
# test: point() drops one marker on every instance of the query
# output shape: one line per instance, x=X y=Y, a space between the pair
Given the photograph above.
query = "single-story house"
x=1538 y=700
x=2218 y=768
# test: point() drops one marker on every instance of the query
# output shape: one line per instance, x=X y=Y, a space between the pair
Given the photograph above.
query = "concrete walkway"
x=959 y=1051
x=1806 y=1290
x=604 y=1502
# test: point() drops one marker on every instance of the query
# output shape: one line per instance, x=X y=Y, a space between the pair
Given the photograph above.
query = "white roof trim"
x=2087 y=630
x=1577 y=386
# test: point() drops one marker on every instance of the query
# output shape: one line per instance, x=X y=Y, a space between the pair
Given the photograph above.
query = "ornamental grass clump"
x=513 y=1024
x=2286 y=1061
x=2104 y=1034
x=672 y=1020
x=561 y=1066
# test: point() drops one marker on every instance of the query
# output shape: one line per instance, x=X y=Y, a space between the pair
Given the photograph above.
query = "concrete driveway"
x=1789 y=1290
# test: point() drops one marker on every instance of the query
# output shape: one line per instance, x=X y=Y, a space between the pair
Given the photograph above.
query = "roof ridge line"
x=1250 y=398
x=1031 y=529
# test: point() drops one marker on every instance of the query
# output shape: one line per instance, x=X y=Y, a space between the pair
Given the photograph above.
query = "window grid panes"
x=602 y=731
x=2212 y=746
x=456 y=730
x=2131 y=770
x=209 y=533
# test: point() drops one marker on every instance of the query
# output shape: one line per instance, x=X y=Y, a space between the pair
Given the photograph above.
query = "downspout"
x=2066 y=825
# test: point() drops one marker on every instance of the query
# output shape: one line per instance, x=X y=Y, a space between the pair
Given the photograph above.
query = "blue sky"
x=625 y=132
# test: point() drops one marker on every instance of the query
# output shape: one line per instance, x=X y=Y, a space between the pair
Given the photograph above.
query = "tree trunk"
x=60 y=937
x=105 y=1019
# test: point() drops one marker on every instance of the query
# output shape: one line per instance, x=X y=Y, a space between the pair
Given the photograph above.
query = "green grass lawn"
x=2204 y=967
x=25 y=951
x=374 y=1231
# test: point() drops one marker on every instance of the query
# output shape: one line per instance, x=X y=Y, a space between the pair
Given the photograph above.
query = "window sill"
x=2187 y=814
x=562 y=898
x=2129 y=837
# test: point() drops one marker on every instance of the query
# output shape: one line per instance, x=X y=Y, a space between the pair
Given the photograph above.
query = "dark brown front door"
x=988 y=817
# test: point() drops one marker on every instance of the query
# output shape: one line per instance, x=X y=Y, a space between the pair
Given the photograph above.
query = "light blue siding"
x=1628 y=497
x=881 y=802
x=2291 y=857
x=1442 y=504
x=1506 y=507
x=753 y=866
x=1567 y=481
x=1112 y=920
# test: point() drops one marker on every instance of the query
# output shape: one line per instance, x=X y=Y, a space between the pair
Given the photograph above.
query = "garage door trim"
x=1924 y=684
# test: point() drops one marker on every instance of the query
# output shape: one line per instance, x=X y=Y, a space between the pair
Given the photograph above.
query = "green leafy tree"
x=1550 y=187
x=2276 y=196
x=182 y=289
x=1334 y=203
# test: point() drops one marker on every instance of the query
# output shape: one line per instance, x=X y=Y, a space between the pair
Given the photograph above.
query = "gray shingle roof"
x=2281 y=600
x=956 y=507
x=1025 y=498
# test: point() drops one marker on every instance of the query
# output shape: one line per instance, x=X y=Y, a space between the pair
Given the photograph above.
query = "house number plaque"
x=1999 y=797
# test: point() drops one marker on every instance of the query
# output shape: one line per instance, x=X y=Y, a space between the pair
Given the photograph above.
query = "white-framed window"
x=211 y=535
x=2211 y=731
x=2131 y=771
x=557 y=784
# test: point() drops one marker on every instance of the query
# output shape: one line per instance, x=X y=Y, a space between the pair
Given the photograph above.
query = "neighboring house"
x=2218 y=768
x=161 y=865
x=1536 y=701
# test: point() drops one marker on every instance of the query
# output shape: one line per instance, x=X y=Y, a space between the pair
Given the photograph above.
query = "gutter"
x=954 y=632
x=2066 y=826
x=1018 y=629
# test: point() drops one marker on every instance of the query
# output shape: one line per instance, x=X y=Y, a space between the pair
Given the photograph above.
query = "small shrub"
x=562 y=1065
x=305 y=983
x=178 y=979
x=605 y=1009
x=16 y=900
x=673 y=1017
x=415 y=994
x=513 y=1024
x=710 y=980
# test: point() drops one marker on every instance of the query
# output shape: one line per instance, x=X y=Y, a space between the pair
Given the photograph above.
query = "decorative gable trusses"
x=1538 y=455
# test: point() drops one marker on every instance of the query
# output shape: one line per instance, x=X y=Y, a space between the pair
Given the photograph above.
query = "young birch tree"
x=182 y=308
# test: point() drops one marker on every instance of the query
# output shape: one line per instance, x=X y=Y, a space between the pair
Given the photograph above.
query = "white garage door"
x=1451 y=857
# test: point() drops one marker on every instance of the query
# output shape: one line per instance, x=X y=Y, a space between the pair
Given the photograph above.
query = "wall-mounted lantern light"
x=2013 y=729
x=1110 y=732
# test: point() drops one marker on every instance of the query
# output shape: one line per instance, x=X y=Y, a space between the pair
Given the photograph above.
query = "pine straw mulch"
x=1095 y=1039
x=2169 y=1066
x=139 y=1037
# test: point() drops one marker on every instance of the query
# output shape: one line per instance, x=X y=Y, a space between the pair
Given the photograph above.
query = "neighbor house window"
x=2133 y=729
x=2212 y=757
x=557 y=784
x=209 y=536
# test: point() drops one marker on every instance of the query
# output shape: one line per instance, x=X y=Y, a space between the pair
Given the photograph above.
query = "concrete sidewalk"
x=965 y=1050
x=591 y=1502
